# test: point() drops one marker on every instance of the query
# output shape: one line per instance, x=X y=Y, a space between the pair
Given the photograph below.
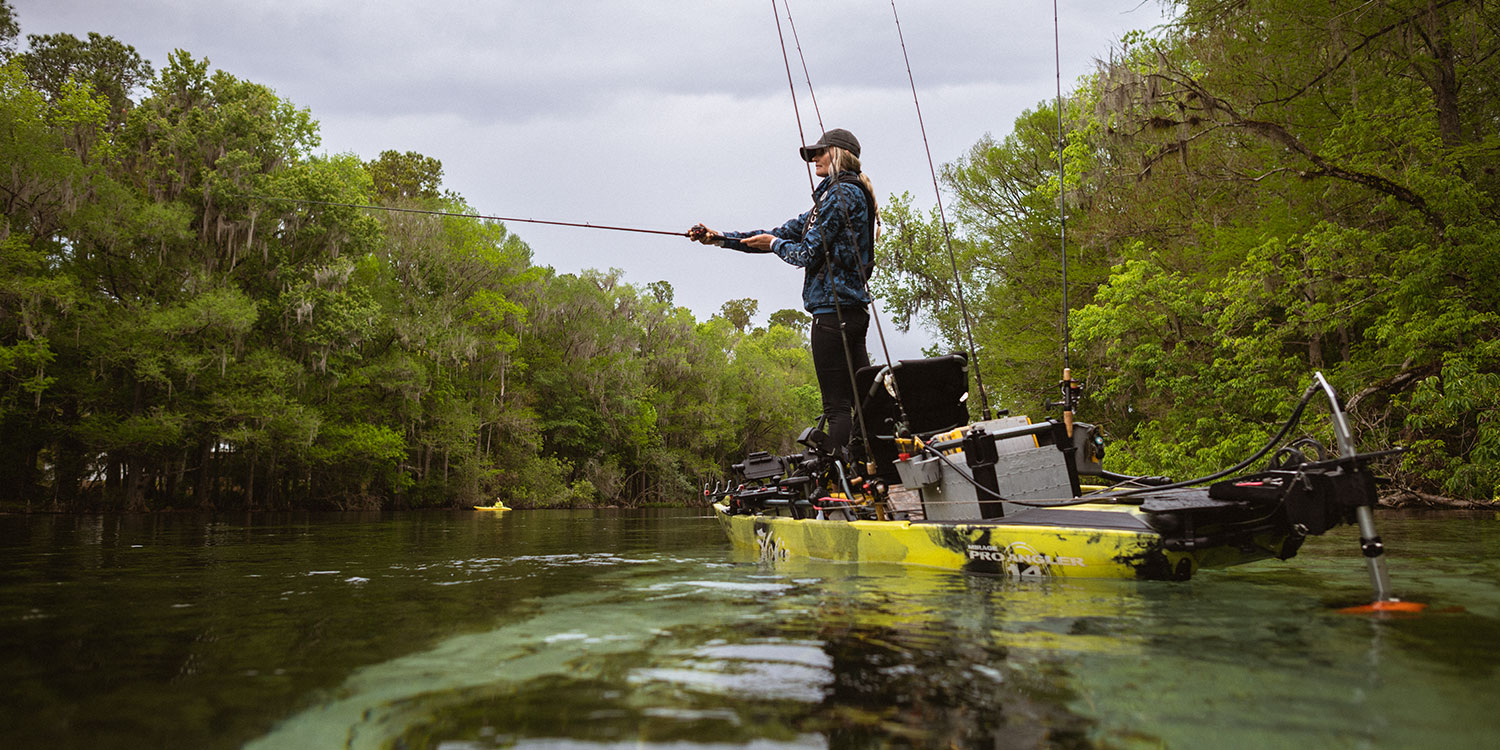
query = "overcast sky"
x=643 y=113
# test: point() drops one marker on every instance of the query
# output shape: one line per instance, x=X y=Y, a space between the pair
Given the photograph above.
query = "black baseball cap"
x=836 y=137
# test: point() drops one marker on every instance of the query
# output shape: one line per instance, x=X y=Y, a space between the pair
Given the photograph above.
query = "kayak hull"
x=1085 y=541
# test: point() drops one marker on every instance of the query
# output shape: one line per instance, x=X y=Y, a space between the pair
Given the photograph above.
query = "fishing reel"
x=765 y=480
x=1072 y=393
x=700 y=233
x=841 y=469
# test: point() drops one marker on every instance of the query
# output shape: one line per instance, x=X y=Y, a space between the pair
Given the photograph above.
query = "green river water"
x=643 y=629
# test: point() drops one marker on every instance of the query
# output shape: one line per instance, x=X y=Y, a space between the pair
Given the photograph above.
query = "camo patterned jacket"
x=839 y=218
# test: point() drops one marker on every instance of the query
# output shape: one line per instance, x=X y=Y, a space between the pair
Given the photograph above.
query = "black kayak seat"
x=932 y=394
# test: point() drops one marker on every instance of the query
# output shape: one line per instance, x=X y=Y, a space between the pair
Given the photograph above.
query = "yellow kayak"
x=1006 y=496
x=1083 y=541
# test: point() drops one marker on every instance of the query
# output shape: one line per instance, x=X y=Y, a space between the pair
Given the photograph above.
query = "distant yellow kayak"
x=497 y=506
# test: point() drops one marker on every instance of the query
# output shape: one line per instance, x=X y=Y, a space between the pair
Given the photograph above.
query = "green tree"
x=113 y=69
x=1254 y=191
x=48 y=176
x=186 y=321
x=1008 y=255
x=1359 y=172
x=740 y=312
x=9 y=30
x=790 y=318
x=408 y=175
x=662 y=291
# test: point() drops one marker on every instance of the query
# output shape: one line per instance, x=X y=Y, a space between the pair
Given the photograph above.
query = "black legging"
x=833 y=369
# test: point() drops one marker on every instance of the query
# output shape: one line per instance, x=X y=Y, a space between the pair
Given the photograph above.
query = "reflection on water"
x=848 y=657
x=586 y=630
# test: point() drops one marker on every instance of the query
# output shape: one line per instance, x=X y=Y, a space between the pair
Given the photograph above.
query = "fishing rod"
x=397 y=209
x=874 y=309
x=798 y=42
x=838 y=311
x=801 y=136
x=1062 y=214
x=942 y=217
x=1070 y=388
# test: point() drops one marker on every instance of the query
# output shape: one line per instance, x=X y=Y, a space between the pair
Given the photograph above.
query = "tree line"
x=176 y=331
x=1253 y=191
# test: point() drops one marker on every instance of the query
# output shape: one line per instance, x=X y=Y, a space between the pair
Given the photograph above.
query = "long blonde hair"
x=840 y=160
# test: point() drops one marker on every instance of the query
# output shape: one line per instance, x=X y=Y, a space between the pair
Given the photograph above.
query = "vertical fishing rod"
x=947 y=234
x=1062 y=214
x=838 y=311
x=801 y=135
x=803 y=58
x=874 y=310
x=1069 y=389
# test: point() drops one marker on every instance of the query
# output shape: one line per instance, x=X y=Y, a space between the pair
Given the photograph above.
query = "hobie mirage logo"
x=1020 y=558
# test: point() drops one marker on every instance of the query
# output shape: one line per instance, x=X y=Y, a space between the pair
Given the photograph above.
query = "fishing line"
x=1062 y=214
x=942 y=217
x=396 y=209
x=874 y=311
x=787 y=61
x=798 y=42
x=828 y=264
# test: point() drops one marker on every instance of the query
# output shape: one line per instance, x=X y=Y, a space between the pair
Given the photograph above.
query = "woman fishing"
x=834 y=243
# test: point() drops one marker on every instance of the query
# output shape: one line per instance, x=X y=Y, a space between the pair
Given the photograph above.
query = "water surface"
x=561 y=629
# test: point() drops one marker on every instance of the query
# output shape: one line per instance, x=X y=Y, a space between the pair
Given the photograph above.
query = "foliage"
x=1254 y=191
x=171 y=337
x=405 y=175
x=740 y=312
x=790 y=318
x=639 y=400
x=9 y=30
x=109 y=67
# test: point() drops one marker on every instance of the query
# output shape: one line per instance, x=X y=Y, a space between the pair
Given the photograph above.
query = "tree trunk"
x=68 y=468
x=203 y=481
x=1442 y=76
x=135 y=488
x=114 y=480
x=250 y=485
x=175 y=479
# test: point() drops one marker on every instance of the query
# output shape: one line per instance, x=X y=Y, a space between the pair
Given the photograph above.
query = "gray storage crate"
x=1024 y=472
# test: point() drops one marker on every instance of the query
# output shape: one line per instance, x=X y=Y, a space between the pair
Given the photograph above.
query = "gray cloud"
x=653 y=113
